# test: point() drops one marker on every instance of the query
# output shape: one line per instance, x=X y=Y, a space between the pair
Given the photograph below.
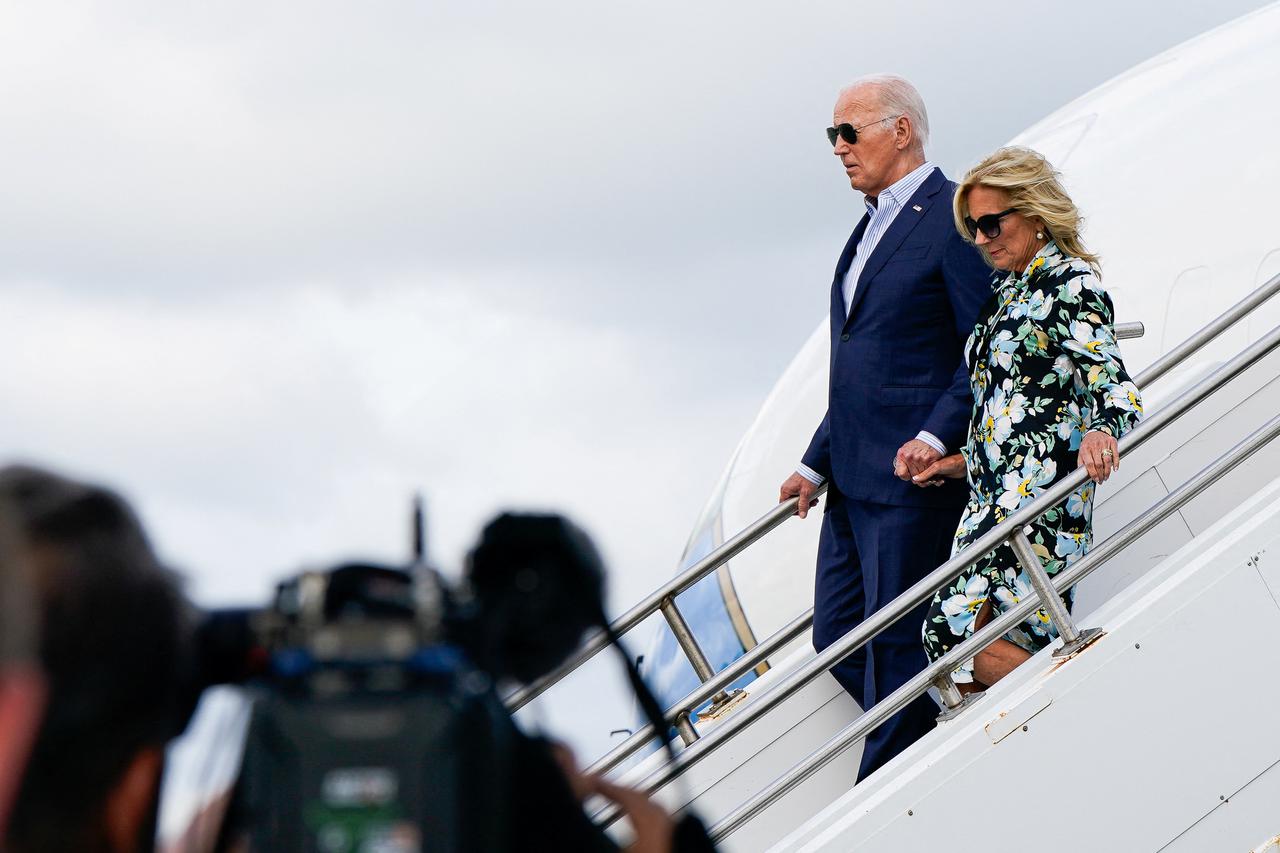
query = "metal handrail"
x=1123 y=331
x=731 y=673
x=663 y=599
x=995 y=629
x=762 y=651
x=664 y=595
x=926 y=587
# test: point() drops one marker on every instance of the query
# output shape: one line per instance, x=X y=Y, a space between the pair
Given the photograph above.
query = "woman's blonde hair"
x=1034 y=190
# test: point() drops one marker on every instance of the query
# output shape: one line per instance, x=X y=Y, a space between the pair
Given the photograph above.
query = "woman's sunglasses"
x=848 y=132
x=989 y=225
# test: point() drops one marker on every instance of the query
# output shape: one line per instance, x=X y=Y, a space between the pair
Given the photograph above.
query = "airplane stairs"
x=1157 y=736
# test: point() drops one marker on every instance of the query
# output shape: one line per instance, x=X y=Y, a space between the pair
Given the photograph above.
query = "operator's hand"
x=913 y=457
x=580 y=783
x=795 y=485
x=650 y=823
x=947 y=468
x=1100 y=454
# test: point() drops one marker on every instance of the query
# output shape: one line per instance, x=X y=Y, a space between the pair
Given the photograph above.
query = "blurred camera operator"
x=118 y=649
x=114 y=641
x=21 y=682
x=539 y=581
x=535 y=585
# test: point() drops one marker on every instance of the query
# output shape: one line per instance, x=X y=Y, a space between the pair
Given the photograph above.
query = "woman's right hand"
x=947 y=468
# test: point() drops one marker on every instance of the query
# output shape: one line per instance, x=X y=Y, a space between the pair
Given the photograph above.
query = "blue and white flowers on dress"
x=1003 y=349
x=1015 y=586
x=1080 y=502
x=961 y=608
x=1071 y=545
x=972 y=520
x=1034 y=304
x=1044 y=370
x=1125 y=397
x=999 y=415
x=1091 y=342
x=1071 y=427
x=1021 y=487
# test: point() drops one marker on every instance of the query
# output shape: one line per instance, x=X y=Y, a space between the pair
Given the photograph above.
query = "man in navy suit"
x=906 y=293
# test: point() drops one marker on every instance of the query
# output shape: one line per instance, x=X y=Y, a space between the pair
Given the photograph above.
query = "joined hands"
x=945 y=468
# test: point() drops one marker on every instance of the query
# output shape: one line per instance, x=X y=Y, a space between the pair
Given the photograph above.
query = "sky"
x=270 y=269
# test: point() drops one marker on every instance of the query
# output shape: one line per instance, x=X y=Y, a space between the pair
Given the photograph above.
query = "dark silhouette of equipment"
x=376 y=724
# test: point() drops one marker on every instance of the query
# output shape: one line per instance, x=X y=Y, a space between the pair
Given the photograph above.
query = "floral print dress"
x=1045 y=370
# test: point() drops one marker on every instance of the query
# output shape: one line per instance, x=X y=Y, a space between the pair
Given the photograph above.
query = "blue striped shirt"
x=882 y=211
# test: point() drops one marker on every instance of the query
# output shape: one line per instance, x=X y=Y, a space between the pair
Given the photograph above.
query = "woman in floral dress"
x=1050 y=393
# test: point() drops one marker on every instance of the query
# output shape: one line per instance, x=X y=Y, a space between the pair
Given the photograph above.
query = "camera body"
x=376 y=727
x=371 y=728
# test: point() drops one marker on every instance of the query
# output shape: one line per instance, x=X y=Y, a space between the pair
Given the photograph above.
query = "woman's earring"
x=1039 y=235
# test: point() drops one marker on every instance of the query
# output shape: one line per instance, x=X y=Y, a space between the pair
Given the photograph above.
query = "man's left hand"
x=913 y=458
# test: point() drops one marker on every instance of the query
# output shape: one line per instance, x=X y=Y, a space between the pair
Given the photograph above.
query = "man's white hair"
x=899 y=97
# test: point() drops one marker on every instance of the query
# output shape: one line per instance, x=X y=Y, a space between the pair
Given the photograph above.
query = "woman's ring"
x=1107 y=454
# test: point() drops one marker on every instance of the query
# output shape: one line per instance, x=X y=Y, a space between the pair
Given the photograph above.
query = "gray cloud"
x=236 y=146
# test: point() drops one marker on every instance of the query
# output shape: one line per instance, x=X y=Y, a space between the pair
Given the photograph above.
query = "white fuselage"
x=1173 y=167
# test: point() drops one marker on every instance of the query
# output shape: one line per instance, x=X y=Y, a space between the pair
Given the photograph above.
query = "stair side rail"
x=997 y=628
x=926 y=587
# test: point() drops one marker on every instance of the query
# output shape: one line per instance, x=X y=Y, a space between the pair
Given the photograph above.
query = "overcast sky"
x=270 y=268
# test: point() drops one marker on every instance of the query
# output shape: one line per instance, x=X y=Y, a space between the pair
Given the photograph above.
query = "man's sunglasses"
x=848 y=132
x=989 y=225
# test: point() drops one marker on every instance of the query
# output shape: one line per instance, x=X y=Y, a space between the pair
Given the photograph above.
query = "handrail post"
x=952 y=697
x=951 y=694
x=1133 y=329
x=688 y=642
x=684 y=728
x=1073 y=640
x=697 y=658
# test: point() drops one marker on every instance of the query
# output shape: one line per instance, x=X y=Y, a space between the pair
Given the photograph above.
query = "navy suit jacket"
x=897 y=363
